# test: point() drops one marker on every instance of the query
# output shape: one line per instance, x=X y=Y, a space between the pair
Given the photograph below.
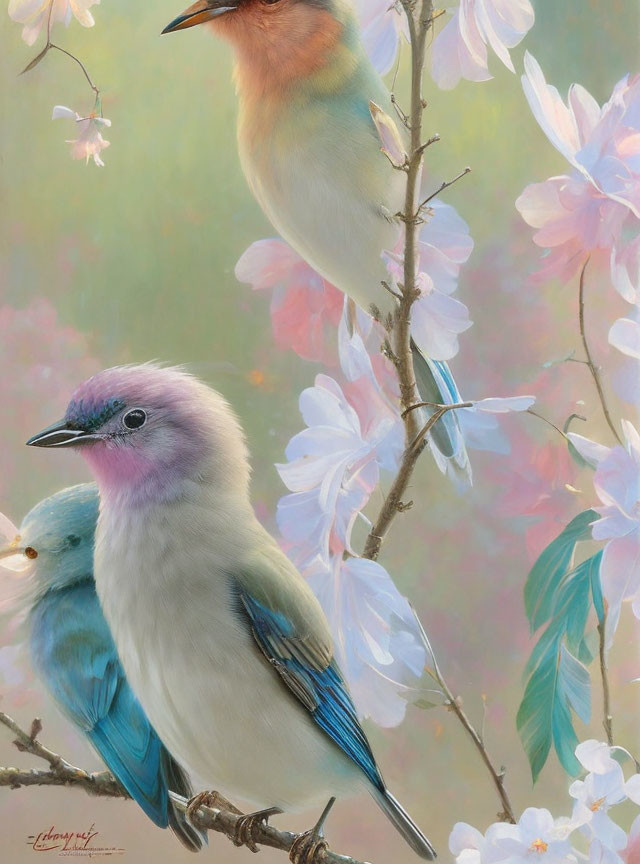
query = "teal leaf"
x=588 y=648
x=550 y=568
x=576 y=684
x=574 y=600
x=559 y=684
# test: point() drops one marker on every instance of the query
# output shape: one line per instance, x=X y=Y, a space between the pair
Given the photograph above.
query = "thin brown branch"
x=595 y=372
x=548 y=422
x=607 y=719
x=80 y=64
x=393 y=503
x=443 y=186
x=453 y=704
x=61 y=773
x=420 y=21
x=419 y=24
x=440 y=411
x=103 y=784
x=100 y=783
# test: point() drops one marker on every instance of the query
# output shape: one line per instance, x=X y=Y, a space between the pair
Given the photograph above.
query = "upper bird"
x=311 y=154
x=74 y=653
x=223 y=641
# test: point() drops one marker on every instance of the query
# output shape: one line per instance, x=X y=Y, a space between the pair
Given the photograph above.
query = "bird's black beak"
x=200 y=12
x=61 y=435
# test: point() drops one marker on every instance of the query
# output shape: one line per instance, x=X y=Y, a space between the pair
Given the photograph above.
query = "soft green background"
x=139 y=256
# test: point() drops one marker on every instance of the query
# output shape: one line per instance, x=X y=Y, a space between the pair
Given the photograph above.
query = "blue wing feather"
x=319 y=687
x=74 y=651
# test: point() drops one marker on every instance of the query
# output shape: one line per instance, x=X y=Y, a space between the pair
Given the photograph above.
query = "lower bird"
x=73 y=652
x=222 y=640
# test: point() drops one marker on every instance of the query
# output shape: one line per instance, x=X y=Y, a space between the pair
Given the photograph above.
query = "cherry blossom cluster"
x=616 y=482
x=460 y=50
x=354 y=435
x=541 y=837
x=354 y=432
x=43 y=15
x=593 y=211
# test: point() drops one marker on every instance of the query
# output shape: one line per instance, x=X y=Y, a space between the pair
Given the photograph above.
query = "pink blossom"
x=617 y=485
x=34 y=14
x=377 y=640
x=503 y=404
x=444 y=245
x=596 y=756
x=625 y=336
x=304 y=306
x=536 y=836
x=438 y=320
x=360 y=340
x=89 y=143
x=588 y=209
x=593 y=797
x=333 y=467
x=625 y=270
x=383 y=24
x=460 y=49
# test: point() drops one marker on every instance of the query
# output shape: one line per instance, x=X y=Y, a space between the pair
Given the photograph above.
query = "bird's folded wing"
x=292 y=632
x=76 y=656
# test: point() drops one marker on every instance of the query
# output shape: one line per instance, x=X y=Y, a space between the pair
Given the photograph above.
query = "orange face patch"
x=279 y=43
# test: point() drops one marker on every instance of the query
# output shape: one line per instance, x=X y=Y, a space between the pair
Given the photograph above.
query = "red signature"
x=67 y=843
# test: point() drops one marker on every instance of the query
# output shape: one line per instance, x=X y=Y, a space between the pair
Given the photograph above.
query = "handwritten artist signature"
x=71 y=843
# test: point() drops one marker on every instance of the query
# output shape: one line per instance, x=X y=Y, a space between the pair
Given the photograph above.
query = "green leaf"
x=36 y=60
x=550 y=568
x=588 y=649
x=574 y=600
x=557 y=679
x=559 y=684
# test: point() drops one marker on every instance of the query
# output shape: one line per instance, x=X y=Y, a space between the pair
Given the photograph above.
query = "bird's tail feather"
x=178 y=782
x=436 y=384
x=404 y=824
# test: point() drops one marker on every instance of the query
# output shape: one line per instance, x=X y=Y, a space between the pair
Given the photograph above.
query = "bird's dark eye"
x=135 y=418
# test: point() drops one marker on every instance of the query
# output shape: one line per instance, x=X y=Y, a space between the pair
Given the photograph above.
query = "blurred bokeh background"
x=135 y=261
